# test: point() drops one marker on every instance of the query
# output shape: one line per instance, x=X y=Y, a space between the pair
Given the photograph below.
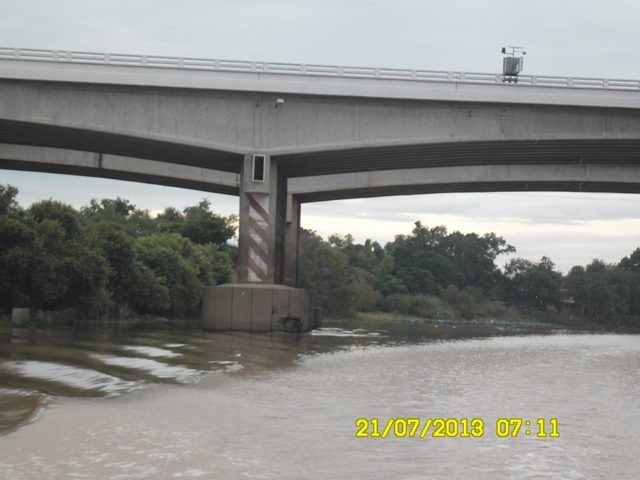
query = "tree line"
x=434 y=273
x=109 y=259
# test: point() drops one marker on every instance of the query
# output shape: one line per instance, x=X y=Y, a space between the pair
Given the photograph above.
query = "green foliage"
x=63 y=215
x=149 y=291
x=423 y=306
x=431 y=259
x=605 y=293
x=198 y=224
x=116 y=211
x=435 y=274
x=25 y=273
x=429 y=273
x=46 y=262
x=533 y=286
x=109 y=259
x=8 y=202
x=632 y=262
x=462 y=301
x=631 y=267
x=168 y=256
x=325 y=271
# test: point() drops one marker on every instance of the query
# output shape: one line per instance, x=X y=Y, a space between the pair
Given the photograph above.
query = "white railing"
x=321 y=70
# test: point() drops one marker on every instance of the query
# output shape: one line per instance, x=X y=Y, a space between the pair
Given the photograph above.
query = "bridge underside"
x=88 y=140
x=505 y=152
x=474 y=187
x=609 y=151
x=362 y=191
x=99 y=165
x=574 y=166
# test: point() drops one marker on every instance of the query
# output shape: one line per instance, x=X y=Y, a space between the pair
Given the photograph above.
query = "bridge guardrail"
x=311 y=69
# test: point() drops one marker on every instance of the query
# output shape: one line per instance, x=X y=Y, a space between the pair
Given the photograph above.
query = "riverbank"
x=514 y=319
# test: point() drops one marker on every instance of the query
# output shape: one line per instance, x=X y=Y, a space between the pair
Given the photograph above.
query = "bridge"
x=279 y=135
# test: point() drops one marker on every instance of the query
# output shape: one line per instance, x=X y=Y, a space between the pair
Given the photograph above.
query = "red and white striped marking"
x=258 y=238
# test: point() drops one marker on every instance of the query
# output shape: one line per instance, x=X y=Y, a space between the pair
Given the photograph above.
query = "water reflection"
x=157 y=370
x=340 y=332
x=54 y=377
x=153 y=351
x=17 y=407
x=108 y=360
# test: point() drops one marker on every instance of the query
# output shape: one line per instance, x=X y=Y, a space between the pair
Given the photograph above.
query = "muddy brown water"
x=167 y=401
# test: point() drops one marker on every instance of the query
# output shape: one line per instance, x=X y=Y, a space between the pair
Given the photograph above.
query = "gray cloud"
x=563 y=38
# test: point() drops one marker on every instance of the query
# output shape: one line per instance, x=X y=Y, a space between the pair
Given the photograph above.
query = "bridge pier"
x=265 y=299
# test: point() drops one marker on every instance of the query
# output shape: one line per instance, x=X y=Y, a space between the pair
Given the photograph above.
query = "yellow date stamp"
x=455 y=427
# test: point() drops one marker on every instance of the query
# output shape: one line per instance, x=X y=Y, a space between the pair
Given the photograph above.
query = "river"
x=429 y=401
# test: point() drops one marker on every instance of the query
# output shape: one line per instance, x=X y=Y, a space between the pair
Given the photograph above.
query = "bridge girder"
x=596 y=171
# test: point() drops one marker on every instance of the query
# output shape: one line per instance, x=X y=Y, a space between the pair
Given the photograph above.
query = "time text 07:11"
x=454 y=427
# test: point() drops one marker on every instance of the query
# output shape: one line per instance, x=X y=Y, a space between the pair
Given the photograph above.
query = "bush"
x=425 y=306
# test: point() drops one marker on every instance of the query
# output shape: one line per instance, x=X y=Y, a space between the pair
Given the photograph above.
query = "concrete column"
x=259 y=303
x=263 y=194
x=280 y=230
x=292 y=239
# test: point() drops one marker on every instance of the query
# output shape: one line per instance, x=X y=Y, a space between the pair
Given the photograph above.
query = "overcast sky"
x=566 y=38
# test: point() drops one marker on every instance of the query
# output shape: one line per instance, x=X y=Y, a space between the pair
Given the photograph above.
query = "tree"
x=77 y=272
x=339 y=289
x=108 y=258
x=65 y=215
x=45 y=261
x=198 y=224
x=26 y=272
x=603 y=292
x=474 y=257
x=631 y=265
x=8 y=201
x=533 y=285
x=431 y=259
x=174 y=259
x=117 y=248
x=213 y=264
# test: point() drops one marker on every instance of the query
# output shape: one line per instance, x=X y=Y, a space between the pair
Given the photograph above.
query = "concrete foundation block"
x=261 y=307
x=218 y=301
x=279 y=308
x=20 y=316
x=60 y=317
x=257 y=308
x=241 y=308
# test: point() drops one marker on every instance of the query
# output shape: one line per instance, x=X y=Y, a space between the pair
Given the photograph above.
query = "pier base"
x=255 y=307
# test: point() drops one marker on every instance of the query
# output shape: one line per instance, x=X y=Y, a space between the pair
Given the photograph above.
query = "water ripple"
x=340 y=332
x=153 y=367
x=151 y=351
x=72 y=377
